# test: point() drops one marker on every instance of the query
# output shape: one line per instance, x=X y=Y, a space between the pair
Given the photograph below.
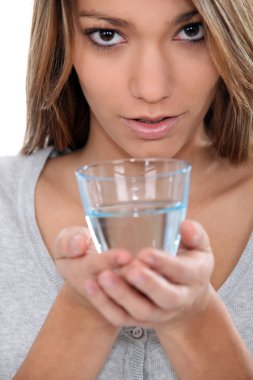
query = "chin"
x=155 y=153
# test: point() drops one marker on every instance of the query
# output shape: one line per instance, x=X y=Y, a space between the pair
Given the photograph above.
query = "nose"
x=151 y=78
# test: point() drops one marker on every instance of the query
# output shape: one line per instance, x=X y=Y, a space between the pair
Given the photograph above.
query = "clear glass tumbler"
x=135 y=203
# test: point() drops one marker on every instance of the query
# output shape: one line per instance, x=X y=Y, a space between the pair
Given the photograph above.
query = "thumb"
x=73 y=242
x=193 y=236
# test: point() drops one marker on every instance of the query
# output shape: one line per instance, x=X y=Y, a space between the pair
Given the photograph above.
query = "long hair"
x=229 y=122
x=58 y=114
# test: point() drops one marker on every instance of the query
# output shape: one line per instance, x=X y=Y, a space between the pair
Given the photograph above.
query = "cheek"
x=99 y=76
x=97 y=84
x=202 y=92
x=87 y=70
x=197 y=74
x=98 y=90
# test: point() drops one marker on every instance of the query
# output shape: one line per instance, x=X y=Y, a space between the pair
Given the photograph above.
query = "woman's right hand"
x=73 y=326
x=77 y=260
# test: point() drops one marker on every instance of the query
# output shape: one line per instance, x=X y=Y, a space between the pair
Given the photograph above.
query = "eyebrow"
x=184 y=17
x=118 y=22
x=111 y=20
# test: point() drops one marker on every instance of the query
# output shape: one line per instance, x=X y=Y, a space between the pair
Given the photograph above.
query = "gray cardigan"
x=29 y=284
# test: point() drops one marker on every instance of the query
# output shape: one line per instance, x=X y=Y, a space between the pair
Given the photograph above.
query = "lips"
x=151 y=128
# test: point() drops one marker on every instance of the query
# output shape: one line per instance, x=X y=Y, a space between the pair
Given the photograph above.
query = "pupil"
x=192 y=30
x=106 y=35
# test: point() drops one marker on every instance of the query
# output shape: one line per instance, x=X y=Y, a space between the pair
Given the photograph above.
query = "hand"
x=77 y=260
x=155 y=289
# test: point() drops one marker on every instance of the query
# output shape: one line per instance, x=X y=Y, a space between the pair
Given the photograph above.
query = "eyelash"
x=90 y=31
x=93 y=30
x=193 y=25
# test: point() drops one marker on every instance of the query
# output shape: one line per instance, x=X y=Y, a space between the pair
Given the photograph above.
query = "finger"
x=91 y=265
x=138 y=306
x=113 y=312
x=158 y=289
x=72 y=242
x=192 y=267
x=113 y=259
x=193 y=236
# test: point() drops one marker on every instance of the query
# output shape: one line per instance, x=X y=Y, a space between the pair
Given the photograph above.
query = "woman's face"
x=146 y=73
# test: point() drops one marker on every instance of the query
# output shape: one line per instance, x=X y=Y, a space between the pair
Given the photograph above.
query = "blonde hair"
x=229 y=36
x=58 y=114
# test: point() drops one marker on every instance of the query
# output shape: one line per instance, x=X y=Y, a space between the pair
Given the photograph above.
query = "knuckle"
x=182 y=270
x=150 y=285
x=202 y=272
x=175 y=299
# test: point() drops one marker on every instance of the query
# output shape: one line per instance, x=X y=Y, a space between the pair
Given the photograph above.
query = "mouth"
x=152 y=128
x=151 y=120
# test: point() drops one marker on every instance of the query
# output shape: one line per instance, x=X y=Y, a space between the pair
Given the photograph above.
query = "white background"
x=15 y=25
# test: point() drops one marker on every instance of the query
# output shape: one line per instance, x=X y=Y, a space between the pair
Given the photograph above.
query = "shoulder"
x=18 y=173
x=11 y=171
x=9 y=164
x=18 y=178
x=13 y=168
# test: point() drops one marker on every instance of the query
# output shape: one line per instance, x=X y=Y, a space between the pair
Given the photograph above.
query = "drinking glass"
x=135 y=203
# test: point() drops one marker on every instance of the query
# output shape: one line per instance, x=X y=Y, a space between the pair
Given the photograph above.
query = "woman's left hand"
x=157 y=290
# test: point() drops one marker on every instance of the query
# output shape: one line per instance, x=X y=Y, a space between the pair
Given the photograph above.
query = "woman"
x=120 y=79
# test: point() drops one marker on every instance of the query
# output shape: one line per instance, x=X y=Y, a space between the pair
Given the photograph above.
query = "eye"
x=105 y=37
x=191 y=32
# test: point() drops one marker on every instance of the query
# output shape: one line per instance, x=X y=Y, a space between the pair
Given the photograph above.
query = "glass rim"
x=82 y=171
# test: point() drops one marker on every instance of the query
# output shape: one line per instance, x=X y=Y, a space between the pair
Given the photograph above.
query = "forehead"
x=137 y=11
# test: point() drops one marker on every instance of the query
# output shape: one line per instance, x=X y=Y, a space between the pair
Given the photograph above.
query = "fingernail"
x=149 y=259
x=123 y=258
x=136 y=278
x=195 y=237
x=193 y=229
x=76 y=244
